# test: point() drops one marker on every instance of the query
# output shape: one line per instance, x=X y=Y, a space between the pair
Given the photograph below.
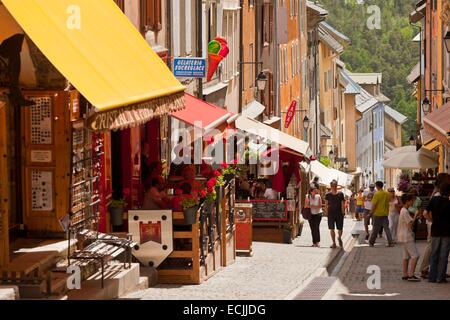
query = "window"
x=293 y=59
x=285 y=64
x=251 y=3
x=267 y=13
x=342 y=133
x=151 y=15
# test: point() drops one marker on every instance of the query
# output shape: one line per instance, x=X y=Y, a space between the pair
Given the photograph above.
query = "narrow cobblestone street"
x=275 y=272
x=351 y=281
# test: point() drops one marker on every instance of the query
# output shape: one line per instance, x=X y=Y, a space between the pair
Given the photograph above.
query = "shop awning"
x=326 y=175
x=437 y=124
x=95 y=46
x=259 y=129
x=253 y=110
x=201 y=114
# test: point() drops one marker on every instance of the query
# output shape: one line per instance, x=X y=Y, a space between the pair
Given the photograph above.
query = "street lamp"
x=426 y=106
x=261 y=81
x=306 y=123
x=447 y=41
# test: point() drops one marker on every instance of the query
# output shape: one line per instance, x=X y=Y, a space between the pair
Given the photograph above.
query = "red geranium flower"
x=217 y=173
x=178 y=192
x=224 y=165
x=211 y=183
x=202 y=193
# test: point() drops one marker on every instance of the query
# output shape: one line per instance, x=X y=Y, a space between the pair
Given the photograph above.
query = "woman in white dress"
x=394 y=212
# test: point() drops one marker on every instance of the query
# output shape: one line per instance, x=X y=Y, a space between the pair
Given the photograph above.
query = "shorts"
x=359 y=209
x=367 y=217
x=336 y=220
x=410 y=251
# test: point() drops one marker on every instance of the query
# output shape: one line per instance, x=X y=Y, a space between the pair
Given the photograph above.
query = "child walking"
x=405 y=235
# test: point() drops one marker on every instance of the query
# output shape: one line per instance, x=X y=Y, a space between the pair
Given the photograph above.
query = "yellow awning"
x=96 y=47
x=431 y=145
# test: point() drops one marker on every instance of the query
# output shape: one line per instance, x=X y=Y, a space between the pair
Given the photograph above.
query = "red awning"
x=437 y=124
x=201 y=114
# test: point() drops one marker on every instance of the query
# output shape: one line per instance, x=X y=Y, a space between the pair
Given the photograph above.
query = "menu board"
x=266 y=210
x=41 y=190
x=41 y=121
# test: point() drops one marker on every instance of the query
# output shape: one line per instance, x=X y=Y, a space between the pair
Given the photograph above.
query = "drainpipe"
x=316 y=102
x=199 y=33
x=275 y=58
x=241 y=54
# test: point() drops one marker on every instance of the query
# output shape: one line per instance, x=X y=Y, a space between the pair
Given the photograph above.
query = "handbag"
x=306 y=213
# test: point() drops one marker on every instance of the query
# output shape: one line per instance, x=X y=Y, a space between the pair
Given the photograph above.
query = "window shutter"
x=154 y=15
x=120 y=4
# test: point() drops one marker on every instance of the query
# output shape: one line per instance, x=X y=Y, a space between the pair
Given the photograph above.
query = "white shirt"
x=315 y=201
x=270 y=194
x=404 y=234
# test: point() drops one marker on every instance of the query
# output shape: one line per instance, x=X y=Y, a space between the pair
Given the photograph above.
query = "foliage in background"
x=389 y=50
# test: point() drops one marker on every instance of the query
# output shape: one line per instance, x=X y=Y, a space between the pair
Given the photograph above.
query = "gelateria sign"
x=135 y=115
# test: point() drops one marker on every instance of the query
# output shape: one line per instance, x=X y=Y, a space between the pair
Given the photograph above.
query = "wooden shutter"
x=153 y=11
x=120 y=4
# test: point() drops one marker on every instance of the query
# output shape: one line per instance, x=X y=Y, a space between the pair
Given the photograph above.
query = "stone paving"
x=274 y=272
x=352 y=279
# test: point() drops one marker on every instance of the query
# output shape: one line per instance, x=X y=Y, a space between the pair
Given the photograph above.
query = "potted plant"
x=116 y=209
x=190 y=207
x=287 y=233
x=229 y=171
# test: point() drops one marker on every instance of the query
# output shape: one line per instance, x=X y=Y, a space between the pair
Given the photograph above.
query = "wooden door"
x=4 y=190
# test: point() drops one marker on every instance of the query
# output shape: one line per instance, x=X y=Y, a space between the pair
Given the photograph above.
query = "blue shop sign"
x=189 y=67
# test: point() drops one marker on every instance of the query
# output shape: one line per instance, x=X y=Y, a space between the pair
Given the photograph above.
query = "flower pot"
x=190 y=215
x=287 y=236
x=116 y=216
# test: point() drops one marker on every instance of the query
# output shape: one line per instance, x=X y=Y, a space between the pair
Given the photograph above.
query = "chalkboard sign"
x=269 y=210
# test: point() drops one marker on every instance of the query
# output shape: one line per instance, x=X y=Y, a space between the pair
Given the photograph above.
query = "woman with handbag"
x=313 y=204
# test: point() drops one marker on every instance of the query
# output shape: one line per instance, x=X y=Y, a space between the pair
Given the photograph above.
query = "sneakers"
x=390 y=245
x=413 y=279
x=367 y=237
x=405 y=278
x=371 y=244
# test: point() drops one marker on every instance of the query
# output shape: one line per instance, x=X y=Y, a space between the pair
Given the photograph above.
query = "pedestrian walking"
x=439 y=211
x=425 y=266
x=380 y=213
x=360 y=204
x=334 y=209
x=407 y=238
x=394 y=212
x=368 y=196
x=314 y=202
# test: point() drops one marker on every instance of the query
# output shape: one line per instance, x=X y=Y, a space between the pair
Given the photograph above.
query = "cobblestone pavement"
x=352 y=279
x=274 y=272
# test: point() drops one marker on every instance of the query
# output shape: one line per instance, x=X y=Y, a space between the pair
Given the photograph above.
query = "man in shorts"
x=335 y=210
x=368 y=196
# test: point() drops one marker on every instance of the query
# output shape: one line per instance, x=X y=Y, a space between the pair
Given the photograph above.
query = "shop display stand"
x=94 y=249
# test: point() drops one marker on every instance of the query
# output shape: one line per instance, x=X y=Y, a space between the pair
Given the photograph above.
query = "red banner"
x=290 y=114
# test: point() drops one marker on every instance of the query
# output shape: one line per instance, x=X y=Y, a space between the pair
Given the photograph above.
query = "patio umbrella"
x=411 y=161
x=410 y=150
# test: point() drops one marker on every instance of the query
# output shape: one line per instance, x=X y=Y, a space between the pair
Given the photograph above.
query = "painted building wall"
x=349 y=133
x=249 y=53
x=290 y=67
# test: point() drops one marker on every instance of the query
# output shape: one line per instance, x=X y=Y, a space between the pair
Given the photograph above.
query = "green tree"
x=389 y=50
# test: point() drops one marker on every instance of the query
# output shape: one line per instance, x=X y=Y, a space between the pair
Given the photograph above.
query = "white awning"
x=253 y=110
x=260 y=129
x=326 y=175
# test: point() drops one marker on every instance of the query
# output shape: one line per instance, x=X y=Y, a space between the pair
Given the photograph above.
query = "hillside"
x=388 y=50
